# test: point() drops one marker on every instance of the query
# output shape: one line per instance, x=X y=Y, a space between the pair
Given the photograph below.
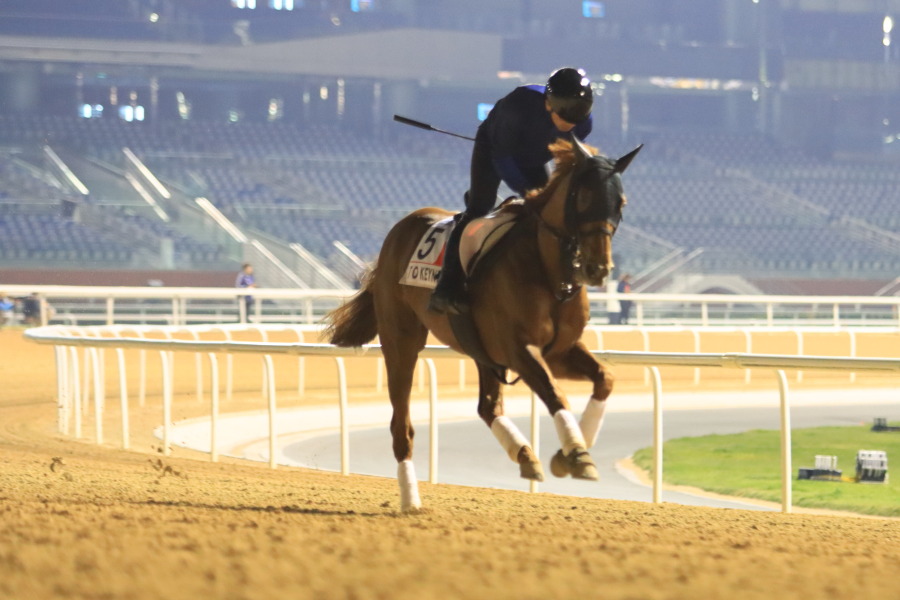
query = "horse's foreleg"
x=530 y=365
x=579 y=363
x=490 y=409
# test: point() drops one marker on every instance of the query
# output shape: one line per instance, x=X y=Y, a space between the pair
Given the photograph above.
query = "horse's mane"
x=564 y=160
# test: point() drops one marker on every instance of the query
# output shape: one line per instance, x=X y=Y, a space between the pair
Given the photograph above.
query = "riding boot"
x=450 y=294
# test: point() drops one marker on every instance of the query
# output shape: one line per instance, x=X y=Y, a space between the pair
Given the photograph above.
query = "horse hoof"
x=529 y=464
x=582 y=465
x=532 y=471
x=558 y=465
x=578 y=464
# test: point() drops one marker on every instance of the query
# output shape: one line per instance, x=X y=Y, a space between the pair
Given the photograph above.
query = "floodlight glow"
x=888 y=25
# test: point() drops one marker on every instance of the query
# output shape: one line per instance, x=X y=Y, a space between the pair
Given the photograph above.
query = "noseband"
x=568 y=238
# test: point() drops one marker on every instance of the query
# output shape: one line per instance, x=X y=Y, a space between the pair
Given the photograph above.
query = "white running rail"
x=69 y=397
x=109 y=305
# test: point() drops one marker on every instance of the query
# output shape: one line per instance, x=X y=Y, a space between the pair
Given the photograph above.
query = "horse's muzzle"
x=595 y=274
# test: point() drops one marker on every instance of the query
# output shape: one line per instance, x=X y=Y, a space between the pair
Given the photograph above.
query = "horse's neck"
x=553 y=215
x=553 y=212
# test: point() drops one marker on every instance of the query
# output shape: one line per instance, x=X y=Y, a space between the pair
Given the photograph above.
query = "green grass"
x=749 y=464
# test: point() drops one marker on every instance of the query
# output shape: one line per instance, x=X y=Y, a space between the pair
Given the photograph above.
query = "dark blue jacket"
x=518 y=130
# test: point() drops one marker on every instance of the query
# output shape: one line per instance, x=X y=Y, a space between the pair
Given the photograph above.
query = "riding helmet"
x=569 y=93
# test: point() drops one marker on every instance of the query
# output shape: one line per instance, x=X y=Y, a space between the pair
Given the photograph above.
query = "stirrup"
x=444 y=305
x=439 y=303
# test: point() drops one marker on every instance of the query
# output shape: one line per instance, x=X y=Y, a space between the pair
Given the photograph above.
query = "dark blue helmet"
x=569 y=94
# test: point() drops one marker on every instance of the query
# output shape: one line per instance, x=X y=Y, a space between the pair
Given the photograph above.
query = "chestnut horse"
x=529 y=307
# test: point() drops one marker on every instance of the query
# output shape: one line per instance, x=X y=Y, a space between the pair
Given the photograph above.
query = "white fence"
x=88 y=305
x=70 y=399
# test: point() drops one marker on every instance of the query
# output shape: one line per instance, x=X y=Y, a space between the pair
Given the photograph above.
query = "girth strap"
x=463 y=326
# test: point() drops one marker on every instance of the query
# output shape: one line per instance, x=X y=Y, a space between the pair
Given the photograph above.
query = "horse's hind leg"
x=490 y=409
x=579 y=363
x=401 y=341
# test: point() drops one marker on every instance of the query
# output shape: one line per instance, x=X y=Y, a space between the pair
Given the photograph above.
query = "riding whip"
x=427 y=127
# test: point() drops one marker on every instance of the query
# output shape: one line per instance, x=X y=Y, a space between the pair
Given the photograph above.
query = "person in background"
x=6 y=310
x=31 y=309
x=624 y=287
x=511 y=145
x=613 y=308
x=246 y=279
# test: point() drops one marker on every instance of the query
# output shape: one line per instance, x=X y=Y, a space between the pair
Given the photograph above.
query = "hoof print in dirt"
x=164 y=469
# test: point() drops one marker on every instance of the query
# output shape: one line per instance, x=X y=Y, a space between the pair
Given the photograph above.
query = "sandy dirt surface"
x=84 y=521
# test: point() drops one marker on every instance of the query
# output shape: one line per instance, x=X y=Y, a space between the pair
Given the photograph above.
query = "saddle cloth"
x=425 y=264
x=479 y=237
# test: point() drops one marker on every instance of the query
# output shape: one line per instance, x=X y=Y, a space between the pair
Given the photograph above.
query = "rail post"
x=198 y=365
x=301 y=365
x=433 y=421
x=657 y=435
x=164 y=358
x=342 y=404
x=269 y=377
x=62 y=392
x=697 y=350
x=98 y=396
x=786 y=468
x=142 y=377
x=123 y=399
x=76 y=390
x=214 y=407
x=748 y=348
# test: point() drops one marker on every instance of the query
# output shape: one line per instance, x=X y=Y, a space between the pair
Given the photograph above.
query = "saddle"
x=483 y=234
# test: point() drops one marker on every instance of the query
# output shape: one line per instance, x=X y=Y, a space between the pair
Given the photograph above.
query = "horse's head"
x=590 y=214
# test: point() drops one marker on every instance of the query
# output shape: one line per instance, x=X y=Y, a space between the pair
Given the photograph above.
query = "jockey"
x=511 y=145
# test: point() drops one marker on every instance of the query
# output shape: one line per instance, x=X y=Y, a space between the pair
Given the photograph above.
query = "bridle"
x=569 y=238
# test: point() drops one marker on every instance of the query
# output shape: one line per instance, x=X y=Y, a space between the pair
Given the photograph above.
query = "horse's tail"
x=353 y=323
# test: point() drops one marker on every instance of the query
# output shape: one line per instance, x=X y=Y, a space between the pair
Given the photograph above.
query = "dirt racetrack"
x=85 y=521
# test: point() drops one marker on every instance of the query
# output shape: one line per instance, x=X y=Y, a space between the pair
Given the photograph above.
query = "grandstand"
x=294 y=159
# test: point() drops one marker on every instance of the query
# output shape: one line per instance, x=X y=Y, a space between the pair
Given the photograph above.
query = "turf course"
x=748 y=464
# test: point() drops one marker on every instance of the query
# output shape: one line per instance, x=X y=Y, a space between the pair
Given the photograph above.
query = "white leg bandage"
x=509 y=436
x=409 y=486
x=568 y=431
x=592 y=420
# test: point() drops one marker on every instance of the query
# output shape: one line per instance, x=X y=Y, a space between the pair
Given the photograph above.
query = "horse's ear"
x=623 y=162
x=581 y=151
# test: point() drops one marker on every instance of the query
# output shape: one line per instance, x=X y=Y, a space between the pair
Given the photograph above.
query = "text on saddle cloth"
x=478 y=238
